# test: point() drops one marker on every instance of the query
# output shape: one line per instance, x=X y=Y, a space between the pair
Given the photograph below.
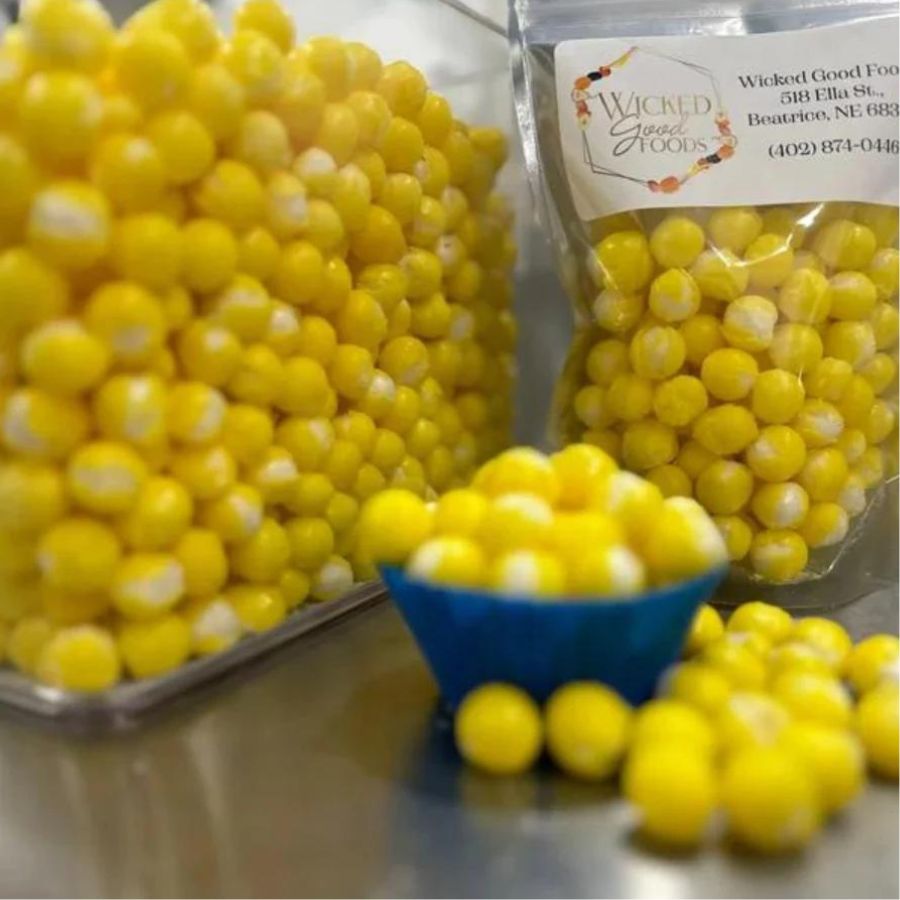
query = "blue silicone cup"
x=471 y=637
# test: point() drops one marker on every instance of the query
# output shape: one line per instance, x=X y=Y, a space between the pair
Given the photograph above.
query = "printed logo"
x=629 y=128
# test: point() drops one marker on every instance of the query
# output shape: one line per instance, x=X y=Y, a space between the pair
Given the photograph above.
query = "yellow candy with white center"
x=724 y=488
x=629 y=397
x=851 y=341
x=636 y=503
x=332 y=580
x=206 y=472
x=880 y=372
x=852 y=497
x=33 y=291
x=78 y=555
x=793 y=656
x=520 y=469
x=764 y=618
x=829 y=637
x=824 y=473
x=828 y=379
x=657 y=352
x=63 y=358
x=706 y=628
x=498 y=729
x=587 y=727
x=132 y=408
x=749 y=323
x=813 y=698
x=258 y=607
x=737 y=533
x=379 y=533
x=195 y=412
x=778 y=555
x=41 y=426
x=877 y=727
x=851 y=295
x=870 y=661
x=725 y=429
x=777 y=454
x=681 y=541
x=129 y=321
x=79 y=658
x=880 y=423
x=870 y=467
x=884 y=272
x=750 y=719
x=60 y=114
x=606 y=360
x=782 y=505
x=610 y=570
x=236 y=515
x=154 y=647
x=264 y=556
x=734 y=228
x=527 y=573
x=806 y=296
x=146 y=249
x=674 y=296
x=104 y=477
x=515 y=521
x=844 y=244
x=834 y=757
x=770 y=800
x=777 y=396
x=679 y=400
x=68 y=224
x=742 y=667
x=673 y=789
x=676 y=242
x=146 y=585
x=701 y=334
x=797 y=348
x=826 y=525
x=819 y=423
x=720 y=275
x=32 y=496
x=648 y=444
x=578 y=468
x=729 y=374
x=616 y=312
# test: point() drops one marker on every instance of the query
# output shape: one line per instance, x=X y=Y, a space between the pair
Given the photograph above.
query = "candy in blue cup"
x=470 y=637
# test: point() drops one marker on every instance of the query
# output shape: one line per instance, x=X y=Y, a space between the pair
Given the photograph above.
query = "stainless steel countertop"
x=327 y=770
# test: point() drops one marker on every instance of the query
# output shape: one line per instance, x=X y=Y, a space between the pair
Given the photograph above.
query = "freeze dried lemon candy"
x=750 y=367
x=249 y=281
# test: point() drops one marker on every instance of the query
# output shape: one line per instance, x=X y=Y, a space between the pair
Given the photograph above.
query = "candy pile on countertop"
x=757 y=724
x=567 y=525
x=747 y=358
x=246 y=284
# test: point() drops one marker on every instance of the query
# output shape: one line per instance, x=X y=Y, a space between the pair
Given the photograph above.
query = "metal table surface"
x=327 y=770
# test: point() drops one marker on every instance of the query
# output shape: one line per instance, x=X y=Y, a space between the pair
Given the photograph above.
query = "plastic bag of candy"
x=720 y=183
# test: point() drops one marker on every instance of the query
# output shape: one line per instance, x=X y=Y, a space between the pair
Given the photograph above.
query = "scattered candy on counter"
x=768 y=725
x=247 y=283
x=563 y=526
x=747 y=358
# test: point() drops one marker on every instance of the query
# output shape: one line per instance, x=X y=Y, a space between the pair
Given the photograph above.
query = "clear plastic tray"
x=125 y=704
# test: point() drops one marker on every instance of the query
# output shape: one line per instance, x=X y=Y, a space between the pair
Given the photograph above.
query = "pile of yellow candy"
x=757 y=724
x=244 y=285
x=747 y=358
x=568 y=525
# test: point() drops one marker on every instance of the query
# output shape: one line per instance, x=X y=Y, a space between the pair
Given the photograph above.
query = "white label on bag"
x=704 y=120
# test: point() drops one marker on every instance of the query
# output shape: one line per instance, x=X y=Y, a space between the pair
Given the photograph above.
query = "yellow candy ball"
x=498 y=729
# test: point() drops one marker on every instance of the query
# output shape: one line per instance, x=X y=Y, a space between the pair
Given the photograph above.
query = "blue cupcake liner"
x=471 y=637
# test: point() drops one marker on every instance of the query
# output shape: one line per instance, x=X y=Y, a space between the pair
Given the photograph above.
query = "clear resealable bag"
x=720 y=184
